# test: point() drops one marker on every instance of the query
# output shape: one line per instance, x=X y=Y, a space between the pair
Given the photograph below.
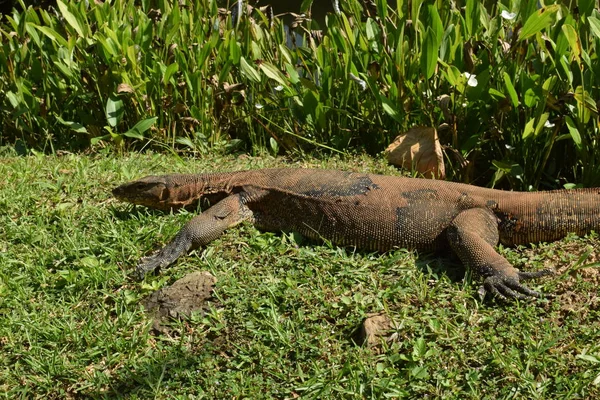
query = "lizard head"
x=151 y=191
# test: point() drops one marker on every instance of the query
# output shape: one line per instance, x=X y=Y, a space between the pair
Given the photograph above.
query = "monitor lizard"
x=372 y=212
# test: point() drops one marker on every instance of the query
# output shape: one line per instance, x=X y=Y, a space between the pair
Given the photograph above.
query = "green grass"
x=71 y=323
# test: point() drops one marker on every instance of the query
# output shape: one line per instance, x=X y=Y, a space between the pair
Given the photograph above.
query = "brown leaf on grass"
x=418 y=149
x=124 y=88
x=375 y=329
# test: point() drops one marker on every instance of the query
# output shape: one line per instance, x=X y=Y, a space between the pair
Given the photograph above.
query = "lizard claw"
x=147 y=264
x=536 y=274
x=510 y=288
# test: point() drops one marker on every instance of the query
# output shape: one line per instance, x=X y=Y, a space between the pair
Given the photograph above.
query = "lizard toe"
x=509 y=289
x=490 y=285
x=512 y=294
x=535 y=274
x=521 y=289
x=147 y=264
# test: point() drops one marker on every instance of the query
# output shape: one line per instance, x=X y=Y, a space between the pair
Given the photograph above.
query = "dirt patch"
x=375 y=328
x=192 y=293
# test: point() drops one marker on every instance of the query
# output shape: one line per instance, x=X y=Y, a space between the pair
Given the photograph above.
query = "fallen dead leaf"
x=418 y=149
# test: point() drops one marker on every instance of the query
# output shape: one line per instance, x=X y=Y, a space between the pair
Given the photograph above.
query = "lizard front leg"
x=199 y=231
x=472 y=235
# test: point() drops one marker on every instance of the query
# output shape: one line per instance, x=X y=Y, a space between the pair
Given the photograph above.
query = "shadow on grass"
x=442 y=262
x=150 y=378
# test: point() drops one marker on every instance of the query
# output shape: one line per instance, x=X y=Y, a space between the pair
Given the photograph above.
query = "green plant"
x=511 y=85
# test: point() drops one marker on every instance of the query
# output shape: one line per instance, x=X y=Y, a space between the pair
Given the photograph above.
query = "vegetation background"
x=510 y=86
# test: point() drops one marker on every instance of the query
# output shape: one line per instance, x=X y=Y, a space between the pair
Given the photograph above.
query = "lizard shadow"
x=441 y=263
x=146 y=376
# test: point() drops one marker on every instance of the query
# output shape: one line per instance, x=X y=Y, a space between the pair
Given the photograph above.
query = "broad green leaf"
x=285 y=52
x=64 y=68
x=310 y=103
x=594 y=26
x=348 y=29
x=272 y=72
x=583 y=97
x=512 y=93
x=53 y=35
x=109 y=46
x=186 y=141
x=248 y=71
x=274 y=146
x=14 y=101
x=234 y=50
x=307 y=83
x=371 y=29
x=573 y=131
x=574 y=43
x=390 y=109
x=538 y=21
x=496 y=93
x=30 y=28
x=415 y=10
x=452 y=75
x=420 y=372
x=528 y=128
x=564 y=63
x=429 y=54
x=98 y=139
x=541 y=123
x=436 y=23
x=70 y=18
x=504 y=168
x=382 y=8
x=586 y=7
x=292 y=73
x=142 y=126
x=132 y=56
x=171 y=69
x=530 y=98
x=549 y=83
x=114 y=110
x=472 y=16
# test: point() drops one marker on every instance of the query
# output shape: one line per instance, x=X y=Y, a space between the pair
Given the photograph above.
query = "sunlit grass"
x=71 y=323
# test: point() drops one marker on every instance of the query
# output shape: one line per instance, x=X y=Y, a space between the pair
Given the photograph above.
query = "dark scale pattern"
x=547 y=216
x=372 y=212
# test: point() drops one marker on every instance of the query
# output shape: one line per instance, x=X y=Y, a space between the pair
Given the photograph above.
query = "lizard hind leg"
x=472 y=236
x=199 y=231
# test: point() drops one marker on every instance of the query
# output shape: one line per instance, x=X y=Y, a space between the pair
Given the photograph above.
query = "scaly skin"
x=373 y=212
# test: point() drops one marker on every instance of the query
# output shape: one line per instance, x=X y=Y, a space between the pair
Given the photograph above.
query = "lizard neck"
x=189 y=190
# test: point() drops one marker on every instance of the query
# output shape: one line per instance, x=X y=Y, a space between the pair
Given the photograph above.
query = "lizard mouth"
x=143 y=193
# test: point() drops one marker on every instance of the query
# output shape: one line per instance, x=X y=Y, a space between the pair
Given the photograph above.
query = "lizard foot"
x=510 y=288
x=181 y=244
x=150 y=263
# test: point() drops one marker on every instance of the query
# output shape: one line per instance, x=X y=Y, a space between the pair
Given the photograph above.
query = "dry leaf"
x=418 y=149
x=124 y=88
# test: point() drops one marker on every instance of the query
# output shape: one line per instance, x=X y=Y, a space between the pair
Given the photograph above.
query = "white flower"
x=258 y=106
x=548 y=124
x=279 y=88
x=508 y=15
x=471 y=79
x=336 y=7
x=361 y=83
